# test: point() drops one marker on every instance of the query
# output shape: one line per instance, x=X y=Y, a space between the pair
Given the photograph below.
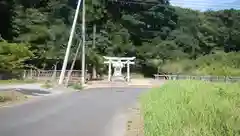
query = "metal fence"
x=204 y=78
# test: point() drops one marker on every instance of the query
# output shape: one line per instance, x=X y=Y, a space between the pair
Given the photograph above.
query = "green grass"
x=192 y=108
x=15 y=81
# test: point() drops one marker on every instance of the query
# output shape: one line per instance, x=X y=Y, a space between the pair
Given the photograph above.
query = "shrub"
x=76 y=86
x=192 y=108
x=12 y=56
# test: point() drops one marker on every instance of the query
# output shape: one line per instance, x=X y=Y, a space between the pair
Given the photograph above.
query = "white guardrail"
x=205 y=78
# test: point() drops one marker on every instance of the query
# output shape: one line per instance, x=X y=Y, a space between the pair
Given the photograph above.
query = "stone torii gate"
x=118 y=63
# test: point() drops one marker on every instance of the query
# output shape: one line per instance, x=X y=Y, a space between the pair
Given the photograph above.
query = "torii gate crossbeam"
x=118 y=63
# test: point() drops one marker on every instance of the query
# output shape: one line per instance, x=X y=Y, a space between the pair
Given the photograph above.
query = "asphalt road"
x=95 y=112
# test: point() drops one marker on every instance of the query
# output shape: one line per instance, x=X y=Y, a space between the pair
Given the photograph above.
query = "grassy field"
x=192 y=108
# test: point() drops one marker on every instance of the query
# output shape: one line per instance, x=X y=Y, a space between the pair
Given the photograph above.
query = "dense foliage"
x=12 y=56
x=153 y=31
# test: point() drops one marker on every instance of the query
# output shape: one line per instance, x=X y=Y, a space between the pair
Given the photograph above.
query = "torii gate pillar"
x=128 y=69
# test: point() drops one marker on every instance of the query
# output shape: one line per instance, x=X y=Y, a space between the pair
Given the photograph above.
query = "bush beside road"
x=195 y=108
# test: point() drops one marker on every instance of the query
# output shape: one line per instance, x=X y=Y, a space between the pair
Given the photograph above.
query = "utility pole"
x=94 y=71
x=83 y=42
x=73 y=63
x=69 y=44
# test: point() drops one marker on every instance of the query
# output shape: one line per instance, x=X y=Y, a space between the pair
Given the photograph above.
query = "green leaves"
x=12 y=55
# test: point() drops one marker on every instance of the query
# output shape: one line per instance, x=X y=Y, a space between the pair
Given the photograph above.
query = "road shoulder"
x=135 y=124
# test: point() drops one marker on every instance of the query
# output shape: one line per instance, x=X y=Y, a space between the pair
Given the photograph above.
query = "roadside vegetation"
x=192 y=108
x=16 y=81
x=9 y=97
x=76 y=86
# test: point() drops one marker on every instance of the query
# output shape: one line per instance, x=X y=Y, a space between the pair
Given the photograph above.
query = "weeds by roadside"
x=7 y=97
x=192 y=108
x=76 y=86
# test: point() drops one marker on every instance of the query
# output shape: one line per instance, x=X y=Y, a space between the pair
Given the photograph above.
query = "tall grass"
x=192 y=108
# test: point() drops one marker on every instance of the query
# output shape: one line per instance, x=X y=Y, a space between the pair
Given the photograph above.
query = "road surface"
x=94 y=112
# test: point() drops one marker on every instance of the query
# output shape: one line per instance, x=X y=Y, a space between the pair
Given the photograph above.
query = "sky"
x=207 y=4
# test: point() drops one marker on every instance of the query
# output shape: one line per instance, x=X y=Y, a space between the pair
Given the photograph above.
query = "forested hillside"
x=164 y=38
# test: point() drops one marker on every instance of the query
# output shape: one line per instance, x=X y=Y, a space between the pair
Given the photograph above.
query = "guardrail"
x=204 y=78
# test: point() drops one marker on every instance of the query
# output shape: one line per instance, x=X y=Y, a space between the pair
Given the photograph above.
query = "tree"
x=12 y=56
x=153 y=31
